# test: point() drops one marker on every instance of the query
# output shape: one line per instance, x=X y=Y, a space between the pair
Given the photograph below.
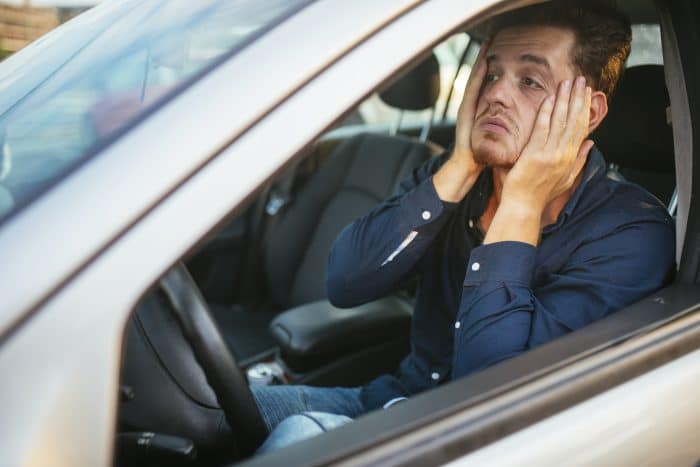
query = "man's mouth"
x=495 y=125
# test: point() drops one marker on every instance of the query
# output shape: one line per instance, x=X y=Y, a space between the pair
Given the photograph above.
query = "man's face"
x=525 y=65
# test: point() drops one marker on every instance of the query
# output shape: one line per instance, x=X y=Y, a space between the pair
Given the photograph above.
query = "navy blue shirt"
x=477 y=305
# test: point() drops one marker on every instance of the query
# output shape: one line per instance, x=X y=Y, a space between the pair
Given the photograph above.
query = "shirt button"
x=457 y=325
x=435 y=376
x=475 y=266
x=425 y=215
x=471 y=224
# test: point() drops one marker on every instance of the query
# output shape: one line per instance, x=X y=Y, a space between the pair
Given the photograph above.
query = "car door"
x=120 y=227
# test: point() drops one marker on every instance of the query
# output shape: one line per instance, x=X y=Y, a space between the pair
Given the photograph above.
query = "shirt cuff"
x=422 y=206
x=502 y=262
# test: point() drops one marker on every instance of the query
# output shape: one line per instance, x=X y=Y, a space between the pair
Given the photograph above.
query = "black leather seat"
x=359 y=173
x=635 y=136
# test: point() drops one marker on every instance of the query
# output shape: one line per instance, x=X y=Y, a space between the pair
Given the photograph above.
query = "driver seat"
x=635 y=137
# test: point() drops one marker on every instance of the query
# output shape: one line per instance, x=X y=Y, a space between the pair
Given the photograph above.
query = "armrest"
x=316 y=333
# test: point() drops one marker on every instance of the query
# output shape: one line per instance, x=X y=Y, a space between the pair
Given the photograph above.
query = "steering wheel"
x=218 y=363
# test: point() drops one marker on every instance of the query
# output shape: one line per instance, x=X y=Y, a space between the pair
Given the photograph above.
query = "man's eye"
x=490 y=77
x=531 y=83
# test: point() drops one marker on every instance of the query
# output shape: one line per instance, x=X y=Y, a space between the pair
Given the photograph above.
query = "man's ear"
x=599 y=109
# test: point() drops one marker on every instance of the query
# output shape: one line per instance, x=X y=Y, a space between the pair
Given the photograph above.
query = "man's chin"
x=492 y=157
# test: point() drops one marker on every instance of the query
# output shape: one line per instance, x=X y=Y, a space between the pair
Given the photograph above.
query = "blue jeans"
x=293 y=413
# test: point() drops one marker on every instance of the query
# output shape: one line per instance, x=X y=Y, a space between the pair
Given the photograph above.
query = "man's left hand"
x=556 y=152
x=547 y=167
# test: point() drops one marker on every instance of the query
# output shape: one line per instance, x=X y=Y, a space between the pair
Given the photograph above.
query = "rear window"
x=646 y=45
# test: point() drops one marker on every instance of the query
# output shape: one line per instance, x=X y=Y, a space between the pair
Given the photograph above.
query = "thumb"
x=581 y=156
x=475 y=81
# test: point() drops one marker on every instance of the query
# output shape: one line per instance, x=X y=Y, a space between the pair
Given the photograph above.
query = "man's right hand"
x=457 y=176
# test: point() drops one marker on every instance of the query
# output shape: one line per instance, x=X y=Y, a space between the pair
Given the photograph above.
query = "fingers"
x=480 y=63
x=467 y=108
x=581 y=159
x=476 y=78
x=540 y=132
x=585 y=148
x=571 y=113
x=560 y=113
x=579 y=111
x=585 y=114
x=578 y=163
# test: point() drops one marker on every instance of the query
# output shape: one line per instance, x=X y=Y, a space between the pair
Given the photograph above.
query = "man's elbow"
x=335 y=290
x=339 y=295
x=345 y=290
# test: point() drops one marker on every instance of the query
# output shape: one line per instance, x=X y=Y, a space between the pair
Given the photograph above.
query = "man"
x=516 y=235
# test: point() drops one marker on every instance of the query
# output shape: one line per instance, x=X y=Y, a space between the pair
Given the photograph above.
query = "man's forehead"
x=549 y=42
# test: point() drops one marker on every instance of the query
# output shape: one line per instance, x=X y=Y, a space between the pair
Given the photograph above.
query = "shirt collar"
x=594 y=169
x=479 y=195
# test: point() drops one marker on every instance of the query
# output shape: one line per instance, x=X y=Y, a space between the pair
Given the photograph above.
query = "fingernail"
x=566 y=84
x=580 y=82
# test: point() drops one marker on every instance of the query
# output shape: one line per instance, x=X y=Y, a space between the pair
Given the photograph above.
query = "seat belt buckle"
x=275 y=204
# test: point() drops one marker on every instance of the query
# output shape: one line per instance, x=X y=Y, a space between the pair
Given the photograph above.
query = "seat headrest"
x=635 y=133
x=416 y=90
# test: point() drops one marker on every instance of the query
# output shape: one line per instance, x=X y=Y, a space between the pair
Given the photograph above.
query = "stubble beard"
x=493 y=150
x=493 y=153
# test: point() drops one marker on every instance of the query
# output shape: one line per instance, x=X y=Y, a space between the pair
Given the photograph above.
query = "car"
x=145 y=144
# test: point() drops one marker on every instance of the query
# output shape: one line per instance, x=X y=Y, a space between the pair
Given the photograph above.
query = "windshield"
x=66 y=94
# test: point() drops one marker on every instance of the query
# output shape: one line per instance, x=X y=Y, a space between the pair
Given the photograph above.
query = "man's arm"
x=502 y=314
x=377 y=253
x=457 y=176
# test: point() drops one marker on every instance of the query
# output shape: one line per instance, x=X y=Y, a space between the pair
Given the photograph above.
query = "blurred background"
x=22 y=21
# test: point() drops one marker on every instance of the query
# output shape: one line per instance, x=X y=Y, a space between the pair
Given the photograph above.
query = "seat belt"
x=274 y=199
x=248 y=286
x=281 y=193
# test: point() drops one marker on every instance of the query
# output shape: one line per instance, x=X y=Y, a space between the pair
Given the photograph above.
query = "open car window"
x=455 y=65
x=258 y=244
x=646 y=45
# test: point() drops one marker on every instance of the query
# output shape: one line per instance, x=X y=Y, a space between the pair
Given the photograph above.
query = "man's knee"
x=301 y=426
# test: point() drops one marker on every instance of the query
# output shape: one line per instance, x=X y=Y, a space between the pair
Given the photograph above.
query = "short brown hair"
x=602 y=33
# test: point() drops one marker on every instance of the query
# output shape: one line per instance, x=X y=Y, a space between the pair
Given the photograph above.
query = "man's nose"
x=499 y=92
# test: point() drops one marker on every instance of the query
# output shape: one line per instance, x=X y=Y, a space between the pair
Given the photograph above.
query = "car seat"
x=635 y=137
x=359 y=173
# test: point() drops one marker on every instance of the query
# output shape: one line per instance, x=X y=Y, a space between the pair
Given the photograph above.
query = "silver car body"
x=77 y=260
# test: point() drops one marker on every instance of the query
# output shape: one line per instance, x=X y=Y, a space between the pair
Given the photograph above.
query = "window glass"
x=646 y=45
x=128 y=56
x=375 y=112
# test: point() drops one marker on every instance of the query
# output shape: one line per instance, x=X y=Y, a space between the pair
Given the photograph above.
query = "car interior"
x=248 y=305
